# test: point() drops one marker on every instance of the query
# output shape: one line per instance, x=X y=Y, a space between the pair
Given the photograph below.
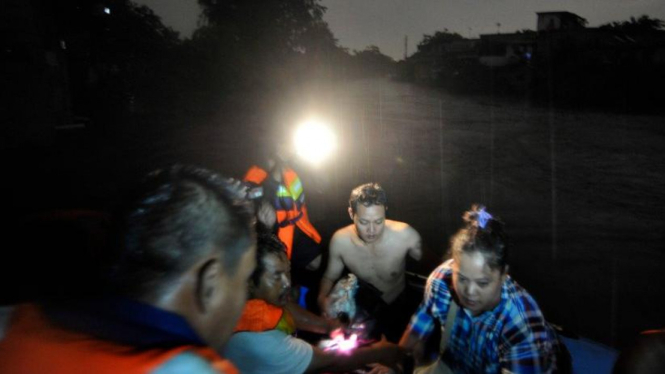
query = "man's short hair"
x=175 y=217
x=367 y=194
x=266 y=243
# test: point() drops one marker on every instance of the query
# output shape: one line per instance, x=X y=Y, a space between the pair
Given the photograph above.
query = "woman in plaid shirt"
x=499 y=327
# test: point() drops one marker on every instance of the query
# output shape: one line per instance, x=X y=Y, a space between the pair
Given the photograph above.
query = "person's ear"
x=351 y=213
x=209 y=286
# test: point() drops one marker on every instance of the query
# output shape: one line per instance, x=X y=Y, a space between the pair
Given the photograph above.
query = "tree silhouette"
x=371 y=61
x=642 y=24
x=116 y=53
x=252 y=41
x=431 y=43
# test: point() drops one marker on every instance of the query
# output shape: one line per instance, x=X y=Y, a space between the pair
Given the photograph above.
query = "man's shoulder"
x=402 y=230
x=396 y=225
x=342 y=237
x=265 y=340
x=190 y=362
x=270 y=351
x=251 y=335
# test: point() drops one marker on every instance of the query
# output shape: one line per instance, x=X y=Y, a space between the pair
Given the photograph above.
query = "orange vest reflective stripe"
x=285 y=218
x=34 y=345
x=259 y=316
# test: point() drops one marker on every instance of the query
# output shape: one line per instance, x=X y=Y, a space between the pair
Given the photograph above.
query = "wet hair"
x=482 y=235
x=172 y=220
x=266 y=243
x=368 y=194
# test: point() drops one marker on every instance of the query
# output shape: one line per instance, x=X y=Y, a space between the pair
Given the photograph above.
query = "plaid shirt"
x=513 y=337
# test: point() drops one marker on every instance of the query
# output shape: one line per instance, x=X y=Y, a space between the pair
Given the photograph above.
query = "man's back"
x=168 y=290
x=270 y=351
x=36 y=344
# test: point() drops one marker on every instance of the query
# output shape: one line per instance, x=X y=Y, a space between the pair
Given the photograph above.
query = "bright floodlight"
x=314 y=141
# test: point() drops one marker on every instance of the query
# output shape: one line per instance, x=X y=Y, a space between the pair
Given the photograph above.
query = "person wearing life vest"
x=263 y=340
x=172 y=287
x=284 y=192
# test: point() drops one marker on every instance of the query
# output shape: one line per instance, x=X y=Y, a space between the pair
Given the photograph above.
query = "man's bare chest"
x=384 y=263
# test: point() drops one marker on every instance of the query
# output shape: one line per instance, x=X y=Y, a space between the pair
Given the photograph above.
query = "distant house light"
x=107 y=10
x=63 y=45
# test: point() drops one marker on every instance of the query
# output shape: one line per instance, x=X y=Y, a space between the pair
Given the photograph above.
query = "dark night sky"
x=385 y=23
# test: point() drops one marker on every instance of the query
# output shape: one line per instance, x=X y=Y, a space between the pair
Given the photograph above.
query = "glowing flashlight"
x=314 y=142
x=340 y=343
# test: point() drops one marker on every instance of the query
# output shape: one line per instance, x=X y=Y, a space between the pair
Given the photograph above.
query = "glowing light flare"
x=314 y=142
x=340 y=343
x=346 y=345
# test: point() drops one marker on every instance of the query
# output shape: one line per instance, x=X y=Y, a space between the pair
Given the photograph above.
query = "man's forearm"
x=324 y=290
x=338 y=362
x=388 y=356
x=412 y=344
x=308 y=321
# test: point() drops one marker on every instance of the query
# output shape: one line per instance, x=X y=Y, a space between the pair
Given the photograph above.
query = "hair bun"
x=477 y=217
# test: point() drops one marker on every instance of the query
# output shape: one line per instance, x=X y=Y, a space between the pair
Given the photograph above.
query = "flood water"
x=581 y=193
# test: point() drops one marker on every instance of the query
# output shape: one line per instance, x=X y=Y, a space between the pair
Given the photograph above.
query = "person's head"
x=271 y=280
x=480 y=267
x=276 y=149
x=367 y=209
x=646 y=355
x=185 y=243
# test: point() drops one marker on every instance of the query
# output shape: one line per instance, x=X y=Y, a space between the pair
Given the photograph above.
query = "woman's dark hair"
x=367 y=194
x=266 y=243
x=484 y=234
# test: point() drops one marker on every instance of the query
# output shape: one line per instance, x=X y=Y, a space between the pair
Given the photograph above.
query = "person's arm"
x=416 y=248
x=382 y=369
x=308 y=321
x=333 y=272
x=422 y=323
x=382 y=352
x=412 y=344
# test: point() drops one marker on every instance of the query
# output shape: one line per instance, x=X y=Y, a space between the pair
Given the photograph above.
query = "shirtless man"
x=375 y=250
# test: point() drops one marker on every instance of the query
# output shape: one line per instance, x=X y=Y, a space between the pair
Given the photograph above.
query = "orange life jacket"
x=259 y=316
x=290 y=208
x=34 y=345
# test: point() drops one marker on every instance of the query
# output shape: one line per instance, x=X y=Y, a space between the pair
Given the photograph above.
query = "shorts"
x=390 y=319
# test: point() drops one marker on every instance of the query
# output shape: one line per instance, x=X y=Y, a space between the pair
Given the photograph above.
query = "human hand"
x=383 y=342
x=324 y=305
x=395 y=353
x=334 y=324
x=418 y=352
x=266 y=214
x=237 y=188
